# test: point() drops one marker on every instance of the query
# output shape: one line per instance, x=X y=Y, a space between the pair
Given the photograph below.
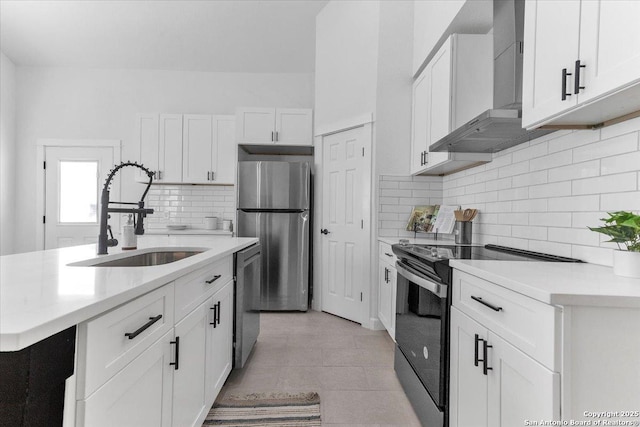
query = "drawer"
x=385 y=253
x=530 y=325
x=103 y=347
x=193 y=288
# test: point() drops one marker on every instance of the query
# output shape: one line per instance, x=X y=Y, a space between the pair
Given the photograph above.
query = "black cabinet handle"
x=210 y=281
x=325 y=231
x=388 y=254
x=422 y=159
x=386 y=275
x=141 y=329
x=218 y=314
x=576 y=83
x=177 y=353
x=272 y=136
x=481 y=301
x=475 y=356
x=485 y=347
x=214 y=308
x=564 y=84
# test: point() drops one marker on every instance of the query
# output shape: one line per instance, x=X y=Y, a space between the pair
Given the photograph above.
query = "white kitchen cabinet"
x=492 y=383
x=219 y=351
x=445 y=96
x=282 y=126
x=208 y=149
x=387 y=288
x=189 y=375
x=160 y=146
x=139 y=395
x=588 y=75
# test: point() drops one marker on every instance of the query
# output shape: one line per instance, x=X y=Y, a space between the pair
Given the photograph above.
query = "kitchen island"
x=43 y=295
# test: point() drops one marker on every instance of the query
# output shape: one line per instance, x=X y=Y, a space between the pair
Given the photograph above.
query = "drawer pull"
x=475 y=357
x=388 y=254
x=218 y=314
x=177 y=353
x=491 y=306
x=216 y=277
x=141 y=329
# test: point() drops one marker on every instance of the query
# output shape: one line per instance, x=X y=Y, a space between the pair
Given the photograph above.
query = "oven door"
x=421 y=328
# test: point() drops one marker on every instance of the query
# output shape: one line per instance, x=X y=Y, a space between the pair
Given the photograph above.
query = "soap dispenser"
x=129 y=240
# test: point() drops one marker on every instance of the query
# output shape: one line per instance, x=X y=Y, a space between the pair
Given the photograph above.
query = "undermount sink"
x=146 y=259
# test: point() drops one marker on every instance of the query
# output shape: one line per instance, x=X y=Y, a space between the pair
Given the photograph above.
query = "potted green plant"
x=623 y=228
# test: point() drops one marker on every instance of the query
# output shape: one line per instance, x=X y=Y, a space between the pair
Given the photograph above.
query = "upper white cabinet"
x=188 y=149
x=454 y=87
x=284 y=126
x=588 y=74
x=208 y=149
x=434 y=21
x=160 y=146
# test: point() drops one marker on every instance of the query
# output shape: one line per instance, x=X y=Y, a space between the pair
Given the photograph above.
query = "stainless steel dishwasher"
x=248 y=268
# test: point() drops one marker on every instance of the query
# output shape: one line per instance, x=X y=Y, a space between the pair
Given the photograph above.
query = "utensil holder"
x=462 y=232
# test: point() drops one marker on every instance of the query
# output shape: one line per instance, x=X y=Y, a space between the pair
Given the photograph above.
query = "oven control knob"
x=434 y=252
x=425 y=352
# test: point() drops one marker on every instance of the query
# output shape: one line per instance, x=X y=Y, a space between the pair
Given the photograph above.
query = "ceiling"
x=256 y=36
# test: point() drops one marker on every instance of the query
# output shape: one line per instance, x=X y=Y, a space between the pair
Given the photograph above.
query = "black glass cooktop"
x=443 y=253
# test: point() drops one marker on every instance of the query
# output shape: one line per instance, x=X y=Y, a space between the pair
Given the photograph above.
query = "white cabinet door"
x=147 y=134
x=419 y=121
x=219 y=341
x=197 y=149
x=468 y=384
x=138 y=396
x=170 y=149
x=384 y=295
x=189 y=376
x=519 y=387
x=255 y=125
x=294 y=126
x=439 y=105
x=551 y=43
x=224 y=159
x=609 y=46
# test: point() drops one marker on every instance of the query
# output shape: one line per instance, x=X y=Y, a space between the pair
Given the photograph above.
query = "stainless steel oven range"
x=422 y=319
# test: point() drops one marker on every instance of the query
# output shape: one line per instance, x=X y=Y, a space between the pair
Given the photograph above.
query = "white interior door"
x=73 y=180
x=346 y=244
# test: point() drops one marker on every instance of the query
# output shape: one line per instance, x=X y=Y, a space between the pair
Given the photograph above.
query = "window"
x=78 y=191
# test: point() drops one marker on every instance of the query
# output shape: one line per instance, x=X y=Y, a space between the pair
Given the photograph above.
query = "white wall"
x=102 y=104
x=542 y=195
x=7 y=153
x=394 y=82
x=346 y=61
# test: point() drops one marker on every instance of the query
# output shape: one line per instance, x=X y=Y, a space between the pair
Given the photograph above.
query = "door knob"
x=324 y=231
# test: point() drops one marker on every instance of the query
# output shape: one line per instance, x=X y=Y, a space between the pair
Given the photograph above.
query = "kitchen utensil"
x=459 y=215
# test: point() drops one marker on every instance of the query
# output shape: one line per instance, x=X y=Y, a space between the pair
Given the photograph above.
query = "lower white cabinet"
x=151 y=379
x=219 y=352
x=387 y=288
x=137 y=396
x=189 y=364
x=492 y=383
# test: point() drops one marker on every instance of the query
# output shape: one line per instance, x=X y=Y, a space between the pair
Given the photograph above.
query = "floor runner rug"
x=266 y=409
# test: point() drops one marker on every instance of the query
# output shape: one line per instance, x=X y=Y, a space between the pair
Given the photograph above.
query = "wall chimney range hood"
x=501 y=127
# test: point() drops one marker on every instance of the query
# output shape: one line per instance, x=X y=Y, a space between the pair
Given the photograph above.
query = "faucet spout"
x=103 y=240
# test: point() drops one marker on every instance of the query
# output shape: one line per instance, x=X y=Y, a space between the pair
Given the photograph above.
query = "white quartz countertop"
x=558 y=283
x=41 y=295
x=186 y=231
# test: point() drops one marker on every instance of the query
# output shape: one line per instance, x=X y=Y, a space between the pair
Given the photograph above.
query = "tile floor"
x=349 y=366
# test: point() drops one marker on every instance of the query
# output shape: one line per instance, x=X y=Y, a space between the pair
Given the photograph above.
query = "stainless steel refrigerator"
x=274 y=205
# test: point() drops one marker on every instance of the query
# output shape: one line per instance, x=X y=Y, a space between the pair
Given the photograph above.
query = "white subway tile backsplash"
x=542 y=195
x=574 y=204
x=605 y=148
x=575 y=171
x=606 y=184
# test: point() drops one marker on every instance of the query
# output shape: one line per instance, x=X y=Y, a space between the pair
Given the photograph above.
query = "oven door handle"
x=435 y=288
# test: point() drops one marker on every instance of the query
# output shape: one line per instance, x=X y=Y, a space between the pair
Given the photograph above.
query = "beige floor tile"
x=322 y=341
x=380 y=341
x=363 y=407
x=382 y=378
x=357 y=357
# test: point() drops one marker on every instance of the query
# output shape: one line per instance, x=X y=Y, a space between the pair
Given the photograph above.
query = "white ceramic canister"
x=129 y=238
x=211 y=222
x=226 y=225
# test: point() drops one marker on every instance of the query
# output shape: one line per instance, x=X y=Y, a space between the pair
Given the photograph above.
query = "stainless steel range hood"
x=501 y=127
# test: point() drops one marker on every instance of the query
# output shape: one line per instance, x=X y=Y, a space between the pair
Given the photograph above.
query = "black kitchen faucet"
x=103 y=240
